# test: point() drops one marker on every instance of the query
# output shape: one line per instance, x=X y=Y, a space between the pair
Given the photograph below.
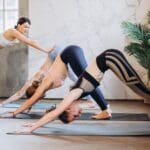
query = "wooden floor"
x=32 y=142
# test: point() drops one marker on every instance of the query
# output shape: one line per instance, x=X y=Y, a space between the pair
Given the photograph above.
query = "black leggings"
x=74 y=56
x=114 y=60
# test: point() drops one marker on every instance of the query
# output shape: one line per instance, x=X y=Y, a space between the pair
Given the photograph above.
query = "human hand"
x=23 y=131
x=29 y=124
x=7 y=115
x=49 y=50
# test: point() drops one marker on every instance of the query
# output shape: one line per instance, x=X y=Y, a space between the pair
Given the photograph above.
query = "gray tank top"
x=4 y=42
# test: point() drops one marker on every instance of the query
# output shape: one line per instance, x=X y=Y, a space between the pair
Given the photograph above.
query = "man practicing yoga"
x=56 y=74
x=70 y=108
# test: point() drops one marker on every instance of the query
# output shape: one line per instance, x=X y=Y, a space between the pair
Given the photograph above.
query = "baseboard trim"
x=117 y=100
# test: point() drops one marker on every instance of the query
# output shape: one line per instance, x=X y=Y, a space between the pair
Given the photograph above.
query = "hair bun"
x=35 y=84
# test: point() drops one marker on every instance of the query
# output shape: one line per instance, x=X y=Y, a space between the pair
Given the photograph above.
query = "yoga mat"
x=106 y=129
x=35 y=106
x=87 y=116
x=121 y=117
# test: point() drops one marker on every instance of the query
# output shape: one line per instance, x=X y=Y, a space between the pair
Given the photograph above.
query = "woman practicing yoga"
x=32 y=83
x=56 y=74
x=12 y=35
x=70 y=108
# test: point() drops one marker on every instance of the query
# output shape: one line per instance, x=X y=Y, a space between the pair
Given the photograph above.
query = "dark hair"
x=64 y=117
x=22 y=20
x=31 y=89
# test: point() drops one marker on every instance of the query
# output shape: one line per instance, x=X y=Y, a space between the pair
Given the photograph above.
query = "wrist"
x=14 y=114
x=46 y=51
x=33 y=128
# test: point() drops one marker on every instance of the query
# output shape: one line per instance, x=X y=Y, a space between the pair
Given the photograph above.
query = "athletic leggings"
x=74 y=56
x=113 y=59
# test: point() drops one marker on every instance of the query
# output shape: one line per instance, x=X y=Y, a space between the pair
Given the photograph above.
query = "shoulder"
x=13 y=31
x=10 y=33
x=10 y=30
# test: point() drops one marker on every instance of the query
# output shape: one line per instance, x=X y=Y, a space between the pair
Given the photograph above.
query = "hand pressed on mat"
x=7 y=115
x=24 y=131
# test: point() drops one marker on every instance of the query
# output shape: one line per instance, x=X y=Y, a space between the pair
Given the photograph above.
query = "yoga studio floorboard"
x=129 y=129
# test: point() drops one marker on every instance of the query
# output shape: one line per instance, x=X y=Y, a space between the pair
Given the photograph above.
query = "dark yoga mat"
x=87 y=116
x=84 y=116
x=104 y=128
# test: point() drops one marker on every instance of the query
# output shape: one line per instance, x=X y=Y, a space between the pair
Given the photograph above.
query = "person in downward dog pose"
x=54 y=77
x=71 y=107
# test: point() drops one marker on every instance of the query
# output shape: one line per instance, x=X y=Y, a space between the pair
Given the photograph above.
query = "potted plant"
x=139 y=45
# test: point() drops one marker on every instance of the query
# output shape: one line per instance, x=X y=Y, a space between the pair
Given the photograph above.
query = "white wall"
x=92 y=24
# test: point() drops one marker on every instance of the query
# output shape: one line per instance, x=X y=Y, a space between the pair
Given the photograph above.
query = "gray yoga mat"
x=106 y=129
x=87 y=116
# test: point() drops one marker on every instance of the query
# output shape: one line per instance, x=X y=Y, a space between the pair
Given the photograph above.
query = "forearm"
x=23 y=107
x=13 y=98
x=18 y=94
x=38 y=76
x=37 y=46
x=44 y=120
x=30 y=101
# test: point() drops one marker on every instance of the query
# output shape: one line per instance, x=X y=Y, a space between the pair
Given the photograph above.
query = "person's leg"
x=74 y=56
x=114 y=60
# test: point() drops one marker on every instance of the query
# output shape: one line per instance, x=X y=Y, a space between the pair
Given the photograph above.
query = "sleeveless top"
x=4 y=42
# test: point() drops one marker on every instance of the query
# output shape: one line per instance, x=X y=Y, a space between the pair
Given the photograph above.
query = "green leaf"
x=148 y=17
x=133 y=31
x=139 y=46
